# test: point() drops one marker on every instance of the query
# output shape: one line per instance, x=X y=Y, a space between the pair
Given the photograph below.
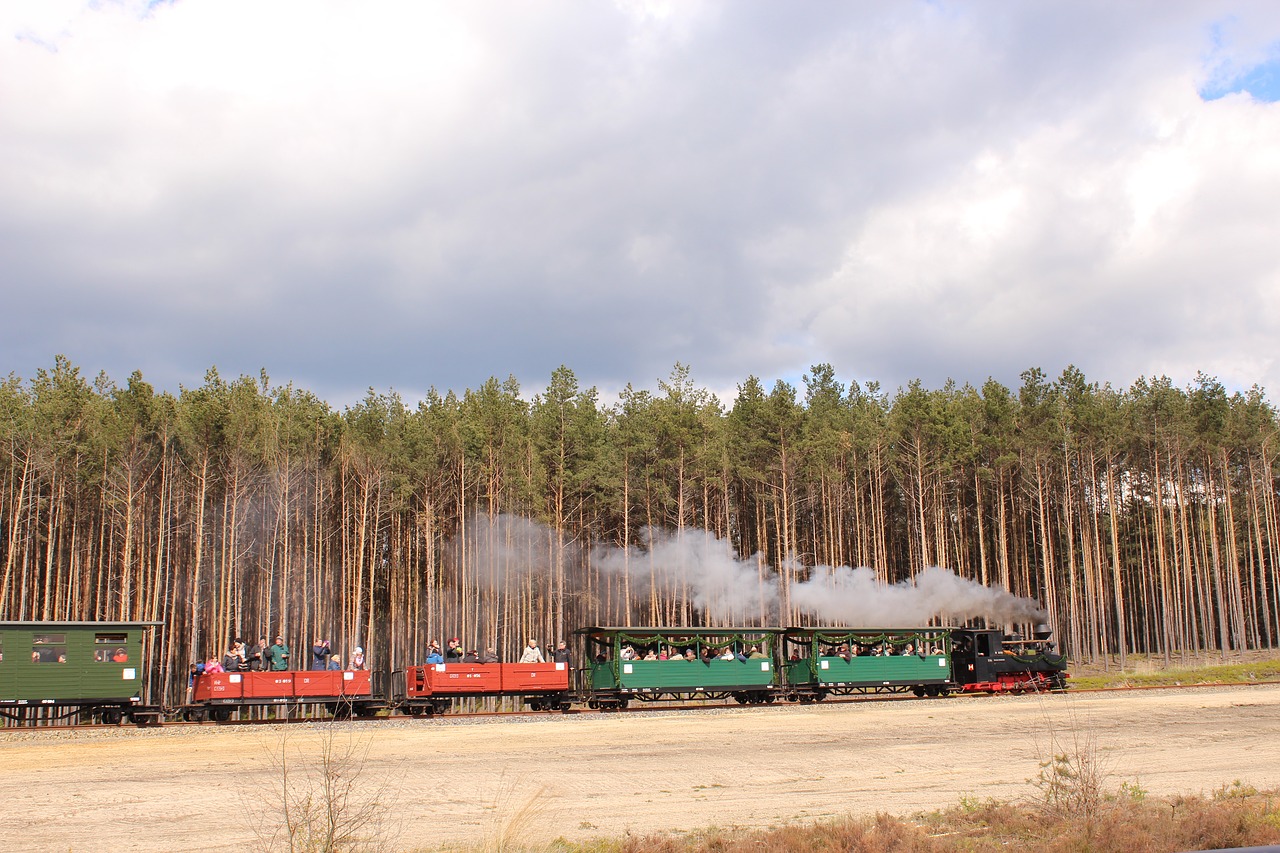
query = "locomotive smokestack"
x=1043 y=632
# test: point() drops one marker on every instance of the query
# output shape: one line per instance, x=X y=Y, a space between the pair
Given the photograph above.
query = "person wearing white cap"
x=357 y=659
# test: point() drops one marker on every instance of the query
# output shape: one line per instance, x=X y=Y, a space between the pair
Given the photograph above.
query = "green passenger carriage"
x=842 y=661
x=682 y=663
x=63 y=669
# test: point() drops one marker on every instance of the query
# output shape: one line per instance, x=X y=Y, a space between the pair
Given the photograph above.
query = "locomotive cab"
x=988 y=661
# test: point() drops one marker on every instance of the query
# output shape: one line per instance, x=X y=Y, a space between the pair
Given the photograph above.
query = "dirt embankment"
x=580 y=775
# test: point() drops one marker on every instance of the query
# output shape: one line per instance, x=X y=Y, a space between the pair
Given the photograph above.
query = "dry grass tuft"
x=1120 y=823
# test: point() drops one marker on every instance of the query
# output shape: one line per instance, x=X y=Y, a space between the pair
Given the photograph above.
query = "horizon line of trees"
x=1143 y=519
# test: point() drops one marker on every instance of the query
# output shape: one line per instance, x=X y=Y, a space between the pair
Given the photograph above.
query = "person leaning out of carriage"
x=532 y=654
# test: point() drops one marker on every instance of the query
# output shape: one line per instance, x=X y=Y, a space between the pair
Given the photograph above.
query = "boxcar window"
x=111 y=648
x=49 y=648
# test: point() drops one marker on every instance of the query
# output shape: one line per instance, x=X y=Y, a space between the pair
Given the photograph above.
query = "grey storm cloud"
x=409 y=195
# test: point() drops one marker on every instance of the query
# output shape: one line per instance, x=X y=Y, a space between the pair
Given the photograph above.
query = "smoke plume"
x=718 y=583
x=857 y=598
x=697 y=566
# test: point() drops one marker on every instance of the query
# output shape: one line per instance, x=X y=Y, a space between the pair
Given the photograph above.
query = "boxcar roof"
x=76 y=624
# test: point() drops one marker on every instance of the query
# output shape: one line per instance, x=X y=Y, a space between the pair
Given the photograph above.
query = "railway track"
x=649 y=707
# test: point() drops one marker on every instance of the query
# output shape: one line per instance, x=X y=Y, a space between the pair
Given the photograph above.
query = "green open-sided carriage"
x=662 y=664
x=841 y=661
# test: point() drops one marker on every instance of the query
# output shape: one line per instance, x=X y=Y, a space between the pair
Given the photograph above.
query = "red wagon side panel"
x=535 y=677
x=268 y=685
x=454 y=679
x=331 y=683
x=323 y=683
x=217 y=686
x=357 y=683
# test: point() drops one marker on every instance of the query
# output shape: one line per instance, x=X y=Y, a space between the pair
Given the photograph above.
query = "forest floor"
x=516 y=782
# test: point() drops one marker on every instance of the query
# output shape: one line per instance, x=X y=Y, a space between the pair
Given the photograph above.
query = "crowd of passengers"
x=729 y=652
x=276 y=657
x=866 y=650
x=455 y=653
x=708 y=653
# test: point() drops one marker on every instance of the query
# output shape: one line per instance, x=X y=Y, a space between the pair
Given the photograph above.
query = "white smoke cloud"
x=697 y=566
x=731 y=589
x=726 y=588
x=507 y=547
x=857 y=598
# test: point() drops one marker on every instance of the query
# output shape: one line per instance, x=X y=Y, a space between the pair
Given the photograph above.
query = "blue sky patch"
x=1262 y=82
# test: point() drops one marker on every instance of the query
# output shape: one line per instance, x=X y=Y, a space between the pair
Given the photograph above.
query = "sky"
x=408 y=195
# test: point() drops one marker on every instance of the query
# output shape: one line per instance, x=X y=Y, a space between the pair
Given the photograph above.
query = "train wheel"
x=220 y=715
x=193 y=715
x=741 y=698
x=919 y=691
x=111 y=716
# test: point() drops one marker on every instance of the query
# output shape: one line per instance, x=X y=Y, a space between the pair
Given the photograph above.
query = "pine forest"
x=1143 y=520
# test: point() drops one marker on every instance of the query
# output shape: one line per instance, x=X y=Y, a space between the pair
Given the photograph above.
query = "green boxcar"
x=822 y=661
x=612 y=677
x=71 y=665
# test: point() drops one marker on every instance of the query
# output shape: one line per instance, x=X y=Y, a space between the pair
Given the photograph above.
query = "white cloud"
x=408 y=194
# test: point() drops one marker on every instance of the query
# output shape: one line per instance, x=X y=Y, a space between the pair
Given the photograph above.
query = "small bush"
x=324 y=802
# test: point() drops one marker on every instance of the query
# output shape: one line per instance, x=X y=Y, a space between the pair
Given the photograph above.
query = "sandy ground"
x=209 y=787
